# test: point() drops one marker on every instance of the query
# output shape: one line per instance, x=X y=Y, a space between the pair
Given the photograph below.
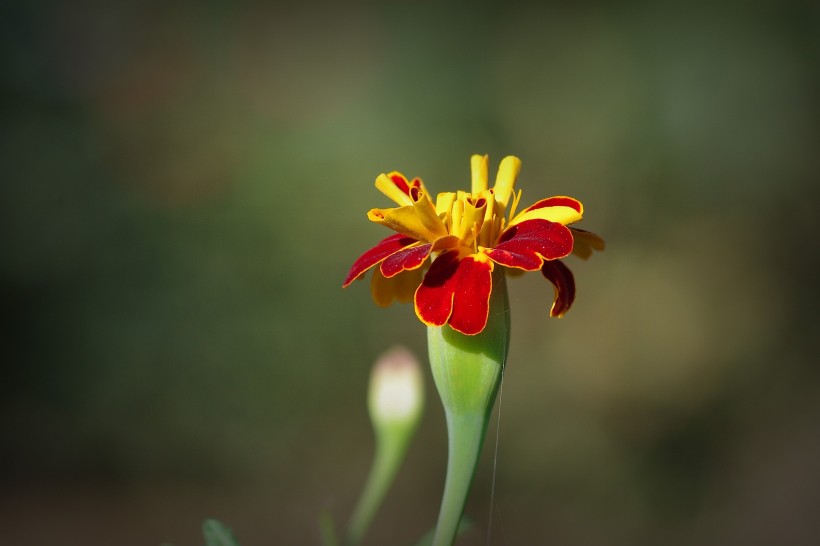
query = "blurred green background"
x=184 y=187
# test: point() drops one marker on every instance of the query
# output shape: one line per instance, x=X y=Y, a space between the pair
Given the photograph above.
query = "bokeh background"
x=185 y=185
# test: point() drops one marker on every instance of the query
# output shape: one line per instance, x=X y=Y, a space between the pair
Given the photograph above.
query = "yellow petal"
x=448 y=242
x=399 y=288
x=562 y=215
x=456 y=214
x=585 y=243
x=386 y=185
x=478 y=169
x=418 y=220
x=444 y=202
x=470 y=220
x=490 y=226
x=505 y=179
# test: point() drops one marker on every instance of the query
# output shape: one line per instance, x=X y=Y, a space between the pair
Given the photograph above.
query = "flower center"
x=472 y=217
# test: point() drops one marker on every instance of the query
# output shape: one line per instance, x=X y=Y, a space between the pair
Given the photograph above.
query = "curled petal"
x=466 y=224
x=564 y=284
x=418 y=220
x=585 y=243
x=411 y=257
x=489 y=227
x=385 y=248
x=528 y=244
x=395 y=186
x=561 y=209
x=456 y=290
x=399 y=288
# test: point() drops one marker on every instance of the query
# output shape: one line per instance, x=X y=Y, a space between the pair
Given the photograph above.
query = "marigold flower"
x=444 y=253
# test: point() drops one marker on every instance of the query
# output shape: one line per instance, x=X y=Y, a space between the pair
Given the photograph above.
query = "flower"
x=463 y=237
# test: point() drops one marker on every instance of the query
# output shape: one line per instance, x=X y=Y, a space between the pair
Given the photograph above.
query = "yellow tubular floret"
x=489 y=228
x=385 y=185
x=478 y=169
x=444 y=202
x=505 y=179
x=471 y=221
x=456 y=216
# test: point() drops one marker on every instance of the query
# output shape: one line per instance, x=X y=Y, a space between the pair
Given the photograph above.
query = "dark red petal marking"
x=434 y=297
x=528 y=244
x=455 y=291
x=400 y=182
x=557 y=202
x=406 y=258
x=382 y=250
x=564 y=283
x=471 y=299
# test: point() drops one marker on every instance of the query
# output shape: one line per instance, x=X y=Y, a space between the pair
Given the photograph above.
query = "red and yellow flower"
x=463 y=237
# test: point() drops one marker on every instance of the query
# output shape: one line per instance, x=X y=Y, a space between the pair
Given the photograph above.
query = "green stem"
x=467 y=371
x=465 y=437
x=391 y=447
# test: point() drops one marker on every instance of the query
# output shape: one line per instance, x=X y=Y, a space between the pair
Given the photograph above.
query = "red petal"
x=563 y=282
x=406 y=258
x=559 y=201
x=471 y=301
x=385 y=248
x=434 y=297
x=528 y=244
x=455 y=291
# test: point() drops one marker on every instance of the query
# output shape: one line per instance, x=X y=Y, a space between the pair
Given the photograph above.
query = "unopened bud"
x=396 y=388
x=395 y=400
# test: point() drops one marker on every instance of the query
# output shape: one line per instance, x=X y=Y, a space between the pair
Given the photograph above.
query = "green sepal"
x=467 y=371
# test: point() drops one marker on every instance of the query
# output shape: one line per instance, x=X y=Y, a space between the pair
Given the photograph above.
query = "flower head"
x=443 y=253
